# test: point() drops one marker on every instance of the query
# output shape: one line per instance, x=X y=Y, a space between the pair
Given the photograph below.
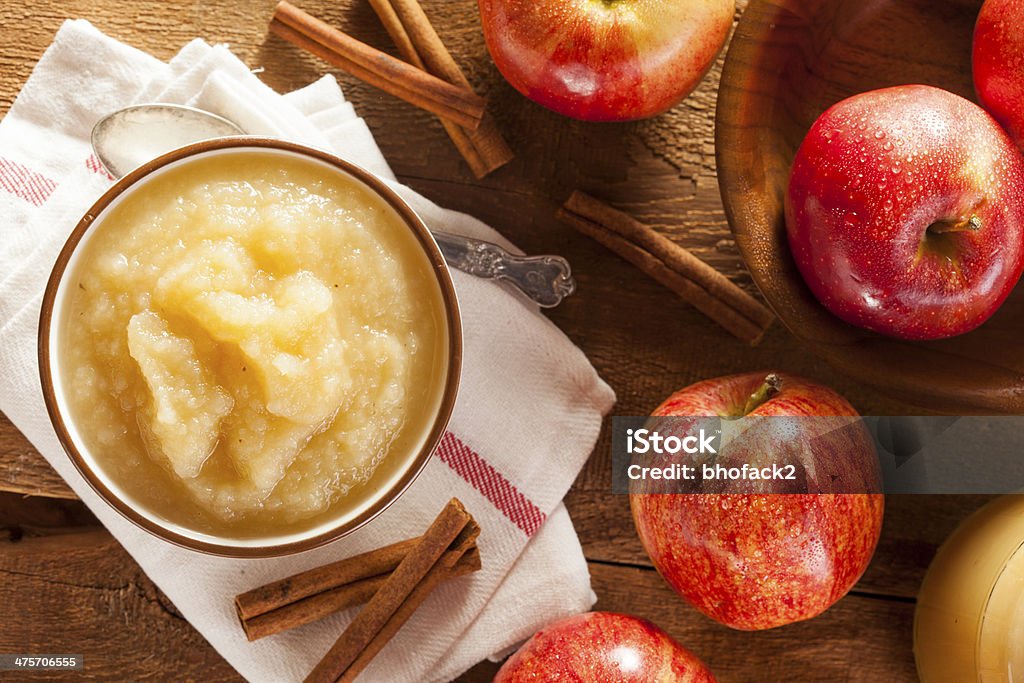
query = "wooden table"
x=68 y=587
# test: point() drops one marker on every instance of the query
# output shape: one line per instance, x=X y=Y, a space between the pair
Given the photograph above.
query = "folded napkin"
x=527 y=416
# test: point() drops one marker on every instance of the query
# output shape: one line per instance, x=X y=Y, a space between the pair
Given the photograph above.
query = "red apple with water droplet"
x=998 y=63
x=759 y=560
x=603 y=647
x=905 y=211
x=605 y=60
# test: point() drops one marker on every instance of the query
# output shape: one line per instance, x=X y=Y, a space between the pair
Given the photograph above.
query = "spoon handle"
x=546 y=280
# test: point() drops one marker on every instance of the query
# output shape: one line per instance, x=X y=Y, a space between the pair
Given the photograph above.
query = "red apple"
x=603 y=647
x=760 y=560
x=905 y=211
x=605 y=60
x=999 y=63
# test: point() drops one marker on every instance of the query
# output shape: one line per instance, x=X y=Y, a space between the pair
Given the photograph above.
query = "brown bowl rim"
x=455 y=346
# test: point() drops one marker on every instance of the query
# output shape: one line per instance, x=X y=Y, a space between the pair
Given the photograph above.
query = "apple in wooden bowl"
x=998 y=63
x=791 y=60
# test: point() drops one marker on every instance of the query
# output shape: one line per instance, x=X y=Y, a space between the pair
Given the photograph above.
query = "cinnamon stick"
x=694 y=281
x=334 y=575
x=319 y=592
x=416 y=86
x=437 y=574
x=405 y=21
x=447 y=539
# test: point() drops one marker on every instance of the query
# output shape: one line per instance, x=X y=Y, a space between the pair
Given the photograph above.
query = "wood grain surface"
x=67 y=587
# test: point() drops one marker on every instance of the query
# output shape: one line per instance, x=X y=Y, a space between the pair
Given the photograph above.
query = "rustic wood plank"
x=62 y=588
x=81 y=593
x=25 y=516
x=859 y=639
x=23 y=470
x=59 y=588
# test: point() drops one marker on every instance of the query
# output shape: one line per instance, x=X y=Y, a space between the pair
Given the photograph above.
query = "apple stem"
x=964 y=225
x=771 y=386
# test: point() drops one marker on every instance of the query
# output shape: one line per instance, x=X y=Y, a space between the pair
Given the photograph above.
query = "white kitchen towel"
x=527 y=417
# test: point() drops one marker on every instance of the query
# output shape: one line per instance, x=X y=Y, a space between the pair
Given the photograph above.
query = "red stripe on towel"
x=23 y=182
x=94 y=165
x=490 y=482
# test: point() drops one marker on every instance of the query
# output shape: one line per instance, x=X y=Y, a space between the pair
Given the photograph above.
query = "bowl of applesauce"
x=250 y=347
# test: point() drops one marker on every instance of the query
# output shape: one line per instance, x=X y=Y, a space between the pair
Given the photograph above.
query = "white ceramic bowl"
x=381 y=493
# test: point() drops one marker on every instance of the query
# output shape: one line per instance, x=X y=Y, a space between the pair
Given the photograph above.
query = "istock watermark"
x=818 y=454
x=643 y=441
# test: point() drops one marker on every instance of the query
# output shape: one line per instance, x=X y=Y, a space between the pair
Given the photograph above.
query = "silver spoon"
x=133 y=135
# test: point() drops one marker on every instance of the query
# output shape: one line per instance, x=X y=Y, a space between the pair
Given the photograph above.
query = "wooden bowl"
x=789 y=61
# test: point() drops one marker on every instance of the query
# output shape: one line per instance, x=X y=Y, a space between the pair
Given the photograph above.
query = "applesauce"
x=969 y=621
x=250 y=342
